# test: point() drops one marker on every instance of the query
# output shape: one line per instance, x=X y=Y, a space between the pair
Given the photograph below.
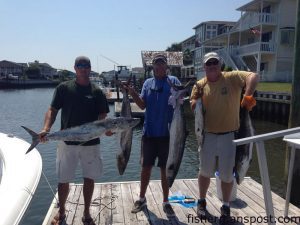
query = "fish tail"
x=35 y=139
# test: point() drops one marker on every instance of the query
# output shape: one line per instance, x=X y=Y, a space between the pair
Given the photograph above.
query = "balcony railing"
x=263 y=47
x=251 y=19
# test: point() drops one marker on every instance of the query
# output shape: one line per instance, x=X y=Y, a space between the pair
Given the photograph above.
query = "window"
x=287 y=37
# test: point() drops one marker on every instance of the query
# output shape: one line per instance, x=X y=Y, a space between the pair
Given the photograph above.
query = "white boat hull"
x=19 y=177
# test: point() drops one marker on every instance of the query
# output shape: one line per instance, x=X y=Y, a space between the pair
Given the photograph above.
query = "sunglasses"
x=212 y=62
x=83 y=66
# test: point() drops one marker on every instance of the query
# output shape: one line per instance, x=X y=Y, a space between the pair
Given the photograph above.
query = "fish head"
x=122 y=123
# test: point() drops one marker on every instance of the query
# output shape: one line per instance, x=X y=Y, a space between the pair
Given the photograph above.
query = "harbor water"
x=27 y=108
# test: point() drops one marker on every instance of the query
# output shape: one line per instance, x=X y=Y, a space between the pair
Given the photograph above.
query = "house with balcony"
x=204 y=32
x=188 y=49
x=262 y=40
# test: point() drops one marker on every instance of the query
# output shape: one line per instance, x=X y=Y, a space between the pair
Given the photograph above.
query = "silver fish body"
x=243 y=156
x=178 y=135
x=125 y=137
x=87 y=131
x=199 y=122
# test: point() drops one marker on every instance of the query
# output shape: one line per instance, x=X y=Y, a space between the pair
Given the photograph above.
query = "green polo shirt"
x=79 y=104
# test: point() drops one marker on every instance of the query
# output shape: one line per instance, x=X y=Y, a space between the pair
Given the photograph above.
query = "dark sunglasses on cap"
x=212 y=62
x=83 y=66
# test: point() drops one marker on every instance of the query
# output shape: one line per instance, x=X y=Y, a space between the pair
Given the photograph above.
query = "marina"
x=33 y=117
x=112 y=202
x=258 y=36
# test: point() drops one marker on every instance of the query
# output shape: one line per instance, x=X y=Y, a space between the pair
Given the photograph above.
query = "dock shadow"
x=215 y=220
x=238 y=204
x=153 y=219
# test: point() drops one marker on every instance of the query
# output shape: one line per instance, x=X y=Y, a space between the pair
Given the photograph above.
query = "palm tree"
x=175 y=47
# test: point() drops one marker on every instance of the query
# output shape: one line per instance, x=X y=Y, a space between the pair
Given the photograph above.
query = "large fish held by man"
x=199 y=117
x=178 y=132
x=243 y=155
x=85 y=132
x=125 y=137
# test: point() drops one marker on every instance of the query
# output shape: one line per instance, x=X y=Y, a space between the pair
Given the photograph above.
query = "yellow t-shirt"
x=221 y=100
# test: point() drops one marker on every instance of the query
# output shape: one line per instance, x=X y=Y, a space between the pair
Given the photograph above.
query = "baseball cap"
x=82 y=59
x=211 y=55
x=159 y=58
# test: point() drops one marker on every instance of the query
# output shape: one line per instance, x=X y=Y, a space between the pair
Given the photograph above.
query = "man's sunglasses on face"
x=212 y=62
x=83 y=66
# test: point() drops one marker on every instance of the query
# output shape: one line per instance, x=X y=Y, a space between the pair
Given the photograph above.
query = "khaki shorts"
x=217 y=148
x=68 y=157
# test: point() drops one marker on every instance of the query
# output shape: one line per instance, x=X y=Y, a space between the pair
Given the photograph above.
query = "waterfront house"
x=46 y=71
x=205 y=31
x=188 y=50
x=262 y=40
x=11 y=69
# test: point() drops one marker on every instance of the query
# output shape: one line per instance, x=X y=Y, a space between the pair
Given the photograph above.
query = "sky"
x=57 y=31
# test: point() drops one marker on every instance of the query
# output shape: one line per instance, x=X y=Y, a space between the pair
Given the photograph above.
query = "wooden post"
x=294 y=119
x=117 y=85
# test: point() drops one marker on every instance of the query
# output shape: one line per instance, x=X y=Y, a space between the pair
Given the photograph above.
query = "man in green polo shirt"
x=80 y=102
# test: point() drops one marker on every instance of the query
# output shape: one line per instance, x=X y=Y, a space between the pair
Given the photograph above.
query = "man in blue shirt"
x=155 y=141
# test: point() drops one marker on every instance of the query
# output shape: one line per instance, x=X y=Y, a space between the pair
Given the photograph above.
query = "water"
x=27 y=107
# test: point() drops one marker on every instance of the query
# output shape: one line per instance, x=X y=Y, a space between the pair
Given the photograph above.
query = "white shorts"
x=217 y=146
x=68 y=157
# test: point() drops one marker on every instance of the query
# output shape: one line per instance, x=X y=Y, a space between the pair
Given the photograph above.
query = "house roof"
x=228 y=23
x=188 y=39
x=174 y=58
x=5 y=63
x=254 y=5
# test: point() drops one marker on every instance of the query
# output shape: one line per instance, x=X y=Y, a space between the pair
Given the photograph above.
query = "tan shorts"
x=217 y=148
x=68 y=157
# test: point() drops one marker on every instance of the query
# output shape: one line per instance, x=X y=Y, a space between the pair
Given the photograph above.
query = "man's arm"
x=137 y=99
x=248 y=101
x=135 y=96
x=251 y=83
x=197 y=92
x=50 y=117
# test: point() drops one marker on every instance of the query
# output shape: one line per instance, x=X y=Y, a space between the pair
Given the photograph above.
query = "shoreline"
x=22 y=84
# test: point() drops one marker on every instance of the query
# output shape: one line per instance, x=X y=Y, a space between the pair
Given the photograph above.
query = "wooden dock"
x=112 y=203
x=112 y=97
x=135 y=110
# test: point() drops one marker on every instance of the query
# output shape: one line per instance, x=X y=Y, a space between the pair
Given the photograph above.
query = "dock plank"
x=106 y=205
x=112 y=204
x=96 y=204
x=129 y=218
x=117 y=204
x=73 y=204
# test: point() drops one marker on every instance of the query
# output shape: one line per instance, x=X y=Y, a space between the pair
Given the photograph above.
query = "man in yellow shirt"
x=220 y=93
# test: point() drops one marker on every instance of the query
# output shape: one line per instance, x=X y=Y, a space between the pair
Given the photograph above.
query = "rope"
x=93 y=202
x=50 y=187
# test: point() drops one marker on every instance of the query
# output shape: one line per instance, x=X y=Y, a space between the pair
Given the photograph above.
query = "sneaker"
x=168 y=209
x=138 y=206
x=225 y=217
x=201 y=208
